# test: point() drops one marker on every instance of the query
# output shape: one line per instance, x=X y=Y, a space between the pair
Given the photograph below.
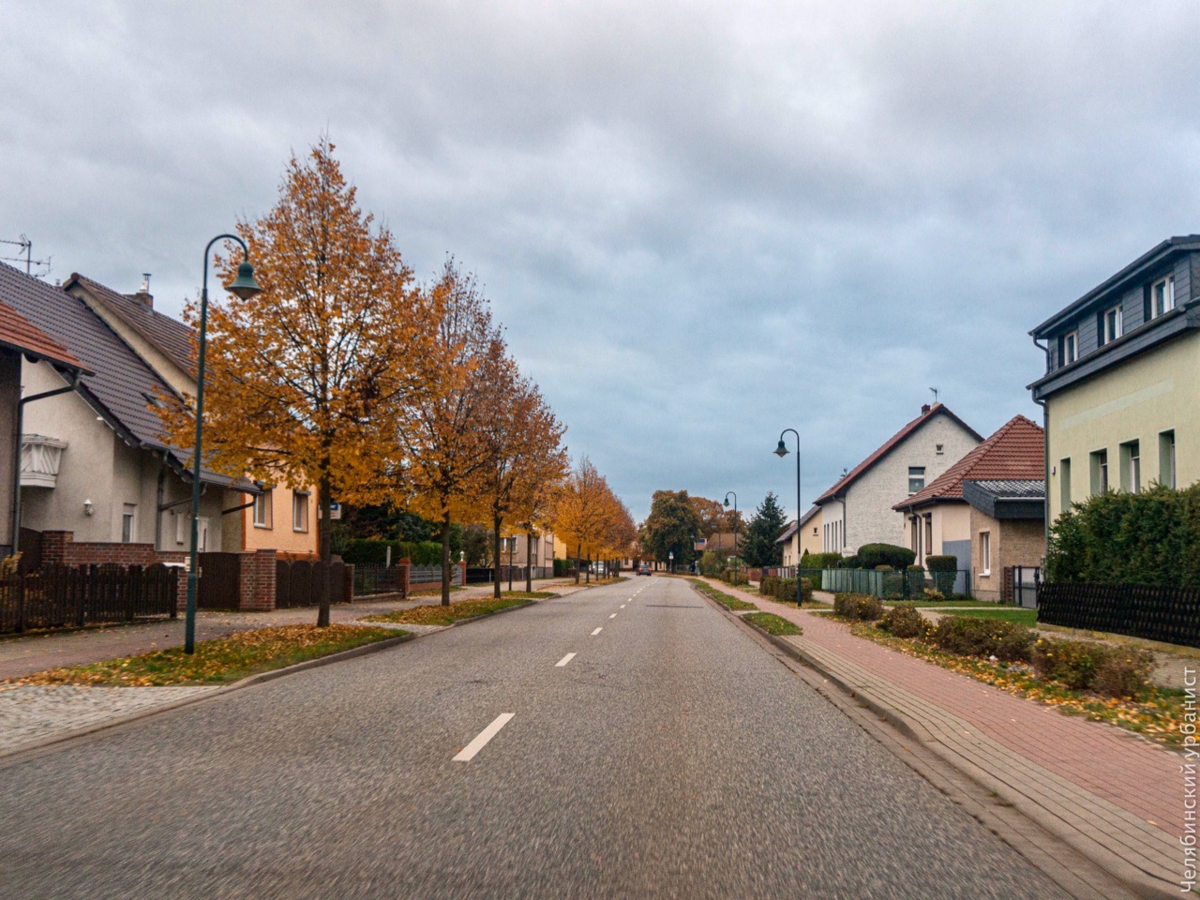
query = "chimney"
x=925 y=409
x=143 y=295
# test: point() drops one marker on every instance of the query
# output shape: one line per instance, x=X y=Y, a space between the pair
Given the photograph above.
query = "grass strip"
x=772 y=624
x=446 y=615
x=434 y=591
x=1158 y=714
x=943 y=604
x=1026 y=617
x=218 y=661
x=528 y=595
x=726 y=600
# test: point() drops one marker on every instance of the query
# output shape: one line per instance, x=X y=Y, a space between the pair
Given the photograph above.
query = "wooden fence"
x=1171 y=615
x=297 y=584
x=61 y=596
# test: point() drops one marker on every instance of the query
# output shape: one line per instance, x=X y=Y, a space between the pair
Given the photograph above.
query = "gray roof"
x=123 y=386
x=1007 y=499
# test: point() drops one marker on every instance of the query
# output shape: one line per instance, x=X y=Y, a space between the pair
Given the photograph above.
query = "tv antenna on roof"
x=26 y=246
x=935 y=395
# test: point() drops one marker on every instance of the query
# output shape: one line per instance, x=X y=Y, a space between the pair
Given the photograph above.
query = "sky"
x=700 y=223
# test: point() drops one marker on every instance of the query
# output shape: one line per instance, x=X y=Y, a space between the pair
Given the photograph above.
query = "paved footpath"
x=1113 y=795
x=31 y=715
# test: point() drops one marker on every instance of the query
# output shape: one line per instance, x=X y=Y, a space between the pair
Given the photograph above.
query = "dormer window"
x=1162 y=296
x=1110 y=325
x=1070 y=348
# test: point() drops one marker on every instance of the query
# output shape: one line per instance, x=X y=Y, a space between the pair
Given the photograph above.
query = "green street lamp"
x=735 y=546
x=782 y=451
x=243 y=286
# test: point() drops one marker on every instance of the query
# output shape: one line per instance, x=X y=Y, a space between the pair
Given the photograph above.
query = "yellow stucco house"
x=1122 y=384
x=809 y=541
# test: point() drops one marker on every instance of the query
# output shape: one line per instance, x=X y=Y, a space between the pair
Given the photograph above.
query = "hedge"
x=872 y=555
x=366 y=552
x=941 y=563
x=1150 y=538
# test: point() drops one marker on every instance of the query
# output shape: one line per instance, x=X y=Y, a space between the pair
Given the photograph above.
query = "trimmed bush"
x=872 y=555
x=905 y=621
x=1125 y=673
x=967 y=636
x=820 y=560
x=1115 y=671
x=941 y=563
x=857 y=607
x=850 y=562
x=934 y=595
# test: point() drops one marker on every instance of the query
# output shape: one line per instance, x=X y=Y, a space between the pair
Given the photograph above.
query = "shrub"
x=1086 y=665
x=941 y=563
x=850 y=562
x=857 y=607
x=968 y=636
x=711 y=563
x=1125 y=672
x=934 y=594
x=885 y=568
x=872 y=555
x=904 y=621
x=766 y=585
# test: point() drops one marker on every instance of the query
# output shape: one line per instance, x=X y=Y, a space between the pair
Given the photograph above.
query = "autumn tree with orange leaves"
x=303 y=377
x=588 y=516
x=525 y=460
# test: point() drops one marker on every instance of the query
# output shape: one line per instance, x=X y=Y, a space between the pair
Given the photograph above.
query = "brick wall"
x=60 y=547
x=256 y=580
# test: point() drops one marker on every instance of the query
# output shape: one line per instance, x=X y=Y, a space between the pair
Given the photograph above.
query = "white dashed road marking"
x=566 y=659
x=613 y=616
x=468 y=752
x=597 y=631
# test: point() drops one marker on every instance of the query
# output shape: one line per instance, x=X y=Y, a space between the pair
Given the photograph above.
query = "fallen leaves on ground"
x=446 y=615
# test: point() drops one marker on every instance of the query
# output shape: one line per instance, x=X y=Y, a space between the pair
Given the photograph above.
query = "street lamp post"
x=671 y=560
x=782 y=451
x=512 y=545
x=243 y=286
x=735 y=546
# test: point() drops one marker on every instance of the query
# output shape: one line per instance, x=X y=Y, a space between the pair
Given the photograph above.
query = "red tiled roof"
x=18 y=333
x=938 y=409
x=1017 y=452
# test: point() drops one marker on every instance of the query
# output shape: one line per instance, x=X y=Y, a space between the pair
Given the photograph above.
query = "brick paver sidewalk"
x=1101 y=788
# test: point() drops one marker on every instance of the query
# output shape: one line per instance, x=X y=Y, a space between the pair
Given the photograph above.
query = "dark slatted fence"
x=70 y=597
x=1152 y=613
x=296 y=583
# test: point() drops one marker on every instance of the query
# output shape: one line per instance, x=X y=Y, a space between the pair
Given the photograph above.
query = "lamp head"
x=782 y=450
x=244 y=285
x=727 y=503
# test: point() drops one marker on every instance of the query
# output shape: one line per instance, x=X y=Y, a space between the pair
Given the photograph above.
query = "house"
x=279 y=518
x=719 y=542
x=978 y=510
x=1119 y=394
x=543 y=550
x=36 y=462
x=810 y=537
x=858 y=509
x=120 y=492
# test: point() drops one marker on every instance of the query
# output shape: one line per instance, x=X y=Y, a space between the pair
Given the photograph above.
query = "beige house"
x=1122 y=380
x=280 y=518
x=985 y=527
x=518 y=542
x=809 y=540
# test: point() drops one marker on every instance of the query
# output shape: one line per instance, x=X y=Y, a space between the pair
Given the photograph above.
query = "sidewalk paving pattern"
x=1104 y=790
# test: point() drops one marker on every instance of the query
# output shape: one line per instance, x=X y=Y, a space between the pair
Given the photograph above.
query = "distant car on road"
x=643 y=570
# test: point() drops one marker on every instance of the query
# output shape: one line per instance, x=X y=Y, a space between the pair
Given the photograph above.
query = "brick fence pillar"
x=256 y=581
x=462 y=572
x=404 y=576
x=54 y=545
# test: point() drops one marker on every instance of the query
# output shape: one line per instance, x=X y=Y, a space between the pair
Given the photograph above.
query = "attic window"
x=940 y=449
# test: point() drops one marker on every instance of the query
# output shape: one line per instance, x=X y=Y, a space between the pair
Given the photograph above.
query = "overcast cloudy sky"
x=700 y=222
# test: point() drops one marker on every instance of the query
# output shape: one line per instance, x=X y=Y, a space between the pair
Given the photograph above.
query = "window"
x=181 y=532
x=1110 y=325
x=300 y=511
x=1099 y=460
x=262 y=509
x=129 y=523
x=1166 y=459
x=928 y=533
x=916 y=479
x=914 y=542
x=1131 y=467
x=939 y=449
x=985 y=552
x=1070 y=348
x=1162 y=296
x=1064 y=483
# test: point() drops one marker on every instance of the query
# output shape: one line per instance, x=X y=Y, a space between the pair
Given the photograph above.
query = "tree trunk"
x=496 y=556
x=589 y=569
x=325 y=544
x=529 y=562
x=578 y=550
x=446 y=559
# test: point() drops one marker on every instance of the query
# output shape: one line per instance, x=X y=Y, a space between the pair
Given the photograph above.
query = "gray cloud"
x=700 y=222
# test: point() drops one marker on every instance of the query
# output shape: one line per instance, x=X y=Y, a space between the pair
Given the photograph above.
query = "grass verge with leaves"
x=726 y=600
x=1157 y=714
x=446 y=615
x=528 y=595
x=1026 y=617
x=772 y=624
x=218 y=661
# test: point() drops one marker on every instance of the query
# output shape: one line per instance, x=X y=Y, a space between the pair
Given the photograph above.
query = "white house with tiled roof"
x=858 y=509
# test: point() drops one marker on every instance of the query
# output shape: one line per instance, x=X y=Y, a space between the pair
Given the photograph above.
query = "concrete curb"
x=19 y=754
x=1128 y=877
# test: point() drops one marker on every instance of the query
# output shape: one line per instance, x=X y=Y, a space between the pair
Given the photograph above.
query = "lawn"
x=447 y=615
x=1026 y=617
x=219 y=661
x=726 y=600
x=944 y=604
x=772 y=624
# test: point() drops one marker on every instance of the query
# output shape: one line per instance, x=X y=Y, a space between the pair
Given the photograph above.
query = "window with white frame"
x=1131 y=467
x=1070 y=348
x=129 y=523
x=916 y=479
x=1110 y=324
x=928 y=533
x=1099 y=466
x=985 y=552
x=262 y=509
x=300 y=511
x=1166 y=458
x=1162 y=296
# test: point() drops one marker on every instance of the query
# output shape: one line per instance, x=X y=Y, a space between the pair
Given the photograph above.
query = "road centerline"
x=566 y=659
x=481 y=740
x=597 y=631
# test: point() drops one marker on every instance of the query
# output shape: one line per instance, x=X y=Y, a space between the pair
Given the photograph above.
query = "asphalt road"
x=670 y=757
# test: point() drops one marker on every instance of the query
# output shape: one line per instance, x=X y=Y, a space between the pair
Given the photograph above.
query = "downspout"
x=158 y=503
x=1046 y=459
x=72 y=384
